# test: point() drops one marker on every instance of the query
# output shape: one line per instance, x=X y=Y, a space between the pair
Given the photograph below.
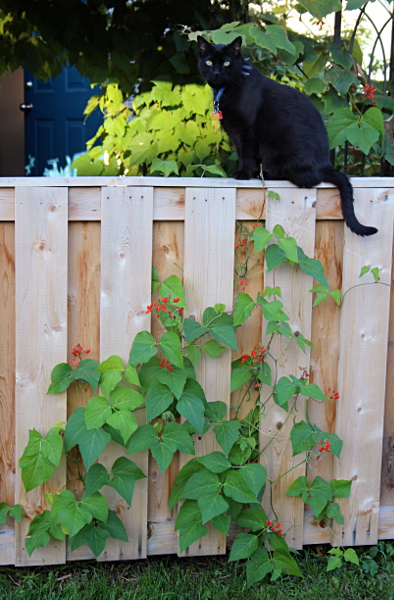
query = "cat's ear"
x=235 y=46
x=203 y=45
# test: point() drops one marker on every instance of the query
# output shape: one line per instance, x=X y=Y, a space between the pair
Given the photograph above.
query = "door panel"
x=55 y=125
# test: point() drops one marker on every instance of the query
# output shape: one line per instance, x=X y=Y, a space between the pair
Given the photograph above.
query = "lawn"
x=208 y=578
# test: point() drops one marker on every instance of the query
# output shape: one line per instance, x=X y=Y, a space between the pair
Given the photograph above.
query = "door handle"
x=26 y=107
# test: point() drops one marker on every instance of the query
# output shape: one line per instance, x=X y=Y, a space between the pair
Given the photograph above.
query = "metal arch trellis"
x=387 y=65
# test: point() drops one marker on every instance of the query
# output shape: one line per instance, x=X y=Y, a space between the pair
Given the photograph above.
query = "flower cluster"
x=243 y=283
x=368 y=92
x=256 y=225
x=162 y=306
x=304 y=373
x=274 y=528
x=166 y=363
x=77 y=353
x=241 y=242
x=332 y=395
x=326 y=445
x=256 y=354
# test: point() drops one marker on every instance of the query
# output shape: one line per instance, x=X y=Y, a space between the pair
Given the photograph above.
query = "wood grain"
x=41 y=342
x=296 y=213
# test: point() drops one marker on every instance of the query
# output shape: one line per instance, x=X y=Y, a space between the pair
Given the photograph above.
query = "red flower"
x=368 y=92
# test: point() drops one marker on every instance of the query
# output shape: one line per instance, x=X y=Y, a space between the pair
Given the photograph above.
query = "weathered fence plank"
x=126 y=264
x=296 y=213
x=41 y=342
x=208 y=279
x=362 y=369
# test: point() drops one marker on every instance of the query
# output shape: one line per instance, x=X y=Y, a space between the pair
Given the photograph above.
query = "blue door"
x=55 y=126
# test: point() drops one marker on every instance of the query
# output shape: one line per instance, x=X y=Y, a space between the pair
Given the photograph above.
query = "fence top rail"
x=212 y=182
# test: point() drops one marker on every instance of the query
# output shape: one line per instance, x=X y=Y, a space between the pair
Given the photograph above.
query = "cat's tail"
x=341 y=181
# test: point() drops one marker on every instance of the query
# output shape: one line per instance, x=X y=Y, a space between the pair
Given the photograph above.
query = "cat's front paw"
x=239 y=174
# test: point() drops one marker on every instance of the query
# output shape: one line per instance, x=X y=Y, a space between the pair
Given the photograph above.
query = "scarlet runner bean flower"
x=369 y=92
x=256 y=354
x=257 y=225
x=274 y=528
x=326 y=445
x=241 y=242
x=77 y=353
x=166 y=363
x=333 y=395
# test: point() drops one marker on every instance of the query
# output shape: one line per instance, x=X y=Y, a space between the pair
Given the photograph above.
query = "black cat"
x=272 y=125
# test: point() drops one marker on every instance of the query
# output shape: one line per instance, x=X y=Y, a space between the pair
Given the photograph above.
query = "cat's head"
x=220 y=64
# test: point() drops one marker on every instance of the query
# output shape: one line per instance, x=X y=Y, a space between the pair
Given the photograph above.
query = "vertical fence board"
x=7 y=363
x=325 y=337
x=126 y=259
x=168 y=254
x=362 y=366
x=296 y=213
x=41 y=341
x=208 y=279
x=83 y=317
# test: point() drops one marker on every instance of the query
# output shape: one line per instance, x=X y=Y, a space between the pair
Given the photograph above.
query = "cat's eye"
x=208 y=63
x=226 y=64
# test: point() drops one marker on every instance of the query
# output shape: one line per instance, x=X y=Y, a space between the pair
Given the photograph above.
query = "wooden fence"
x=75 y=266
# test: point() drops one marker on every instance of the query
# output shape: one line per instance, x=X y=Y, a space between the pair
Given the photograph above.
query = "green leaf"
x=285 y=563
x=124 y=421
x=66 y=510
x=143 y=348
x=216 y=411
x=222 y=523
x=237 y=488
x=215 y=462
x=337 y=126
x=177 y=433
x=189 y=535
x=302 y=437
x=35 y=470
x=96 y=539
x=91 y=442
x=240 y=376
x=108 y=381
x=148 y=373
x=87 y=372
x=213 y=348
x=113 y=363
x=315 y=85
x=363 y=135
x=158 y=399
x=258 y=566
x=289 y=247
x=16 y=512
x=174 y=379
x=61 y=377
x=202 y=483
x=131 y=376
x=170 y=345
x=224 y=334
x=243 y=309
x=194 y=353
x=334 y=512
x=193 y=330
x=115 y=527
x=283 y=391
x=318 y=495
x=341 y=488
x=192 y=408
x=164 y=166
x=172 y=286
x=245 y=544
x=255 y=475
x=334 y=562
x=264 y=373
x=350 y=556
x=341 y=79
x=274 y=256
x=52 y=446
x=125 y=474
x=312 y=267
x=261 y=238
x=212 y=506
x=97 y=410
x=252 y=518
x=96 y=478
x=298 y=487
x=272 y=311
x=163 y=450
x=96 y=504
x=227 y=434
x=142 y=439
x=38 y=534
x=124 y=398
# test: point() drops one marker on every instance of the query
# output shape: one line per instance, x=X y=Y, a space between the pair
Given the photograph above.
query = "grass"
x=208 y=578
